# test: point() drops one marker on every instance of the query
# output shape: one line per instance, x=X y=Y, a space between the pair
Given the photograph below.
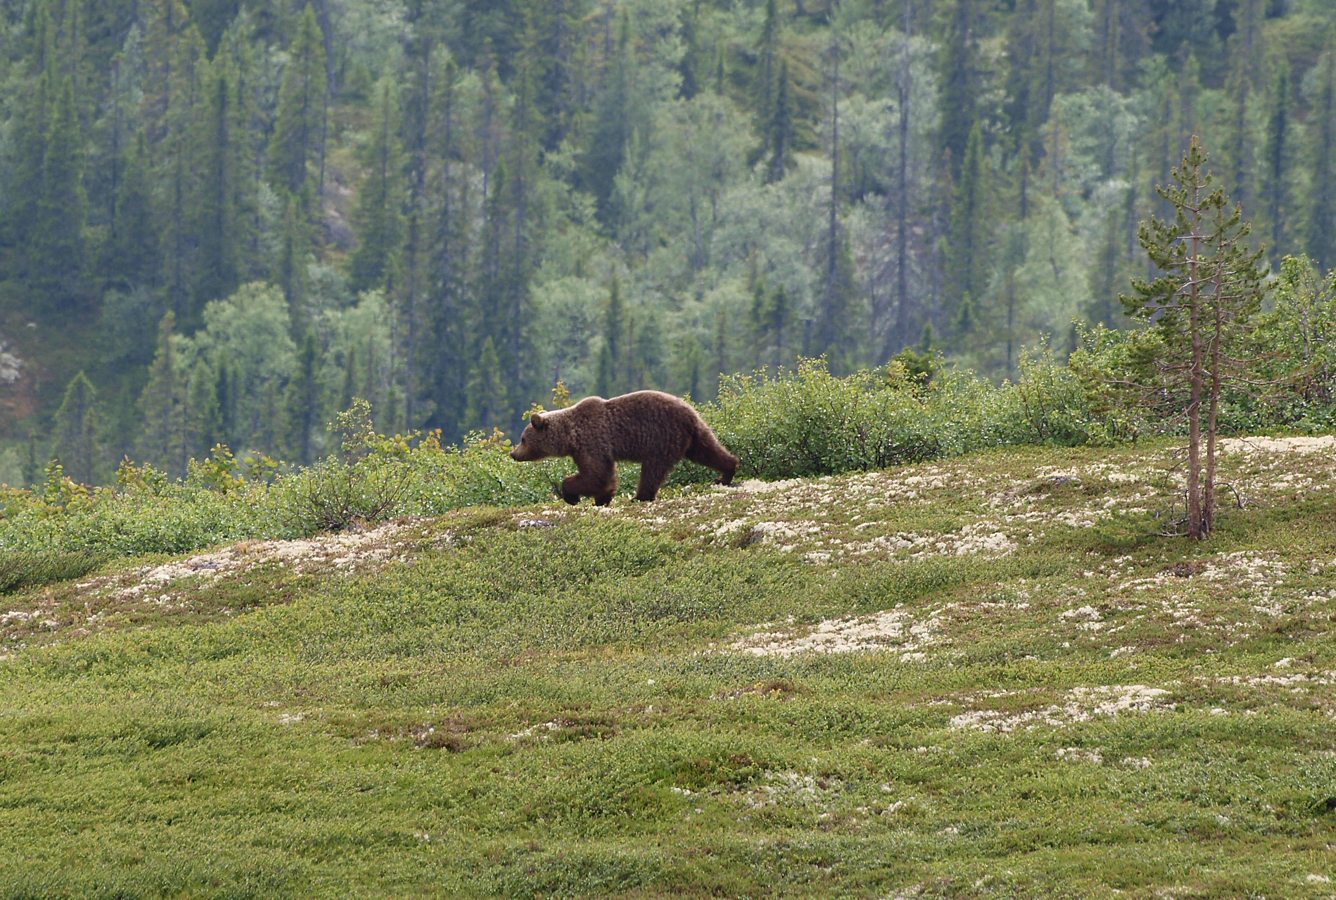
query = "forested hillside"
x=222 y=220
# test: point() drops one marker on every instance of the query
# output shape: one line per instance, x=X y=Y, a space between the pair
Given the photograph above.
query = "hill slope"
x=983 y=677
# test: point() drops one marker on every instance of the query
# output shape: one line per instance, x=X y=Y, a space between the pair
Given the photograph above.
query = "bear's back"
x=649 y=425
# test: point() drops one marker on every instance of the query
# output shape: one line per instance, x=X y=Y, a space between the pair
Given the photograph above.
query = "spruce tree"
x=378 y=218
x=128 y=259
x=178 y=179
x=163 y=440
x=295 y=147
x=57 y=249
x=970 y=220
x=610 y=362
x=29 y=124
x=487 y=390
x=77 y=439
x=447 y=311
x=1277 y=175
x=304 y=401
x=164 y=24
x=289 y=270
x=1321 y=234
x=779 y=129
x=959 y=86
x=611 y=127
x=225 y=390
x=203 y=411
x=218 y=221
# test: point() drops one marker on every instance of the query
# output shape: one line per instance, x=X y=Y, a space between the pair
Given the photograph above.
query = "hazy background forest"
x=222 y=220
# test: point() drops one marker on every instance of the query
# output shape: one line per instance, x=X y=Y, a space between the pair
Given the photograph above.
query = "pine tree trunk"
x=1195 y=529
x=1212 y=419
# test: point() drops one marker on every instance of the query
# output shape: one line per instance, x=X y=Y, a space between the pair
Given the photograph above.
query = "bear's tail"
x=708 y=451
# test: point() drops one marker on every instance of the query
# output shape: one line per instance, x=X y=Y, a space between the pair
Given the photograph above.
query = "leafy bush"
x=808 y=422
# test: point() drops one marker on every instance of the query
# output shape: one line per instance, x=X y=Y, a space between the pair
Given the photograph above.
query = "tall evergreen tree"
x=779 y=129
x=163 y=23
x=179 y=177
x=290 y=267
x=219 y=219
x=611 y=127
x=77 y=439
x=164 y=438
x=295 y=149
x=487 y=390
x=611 y=367
x=128 y=260
x=57 y=250
x=971 y=217
x=378 y=217
x=1321 y=233
x=960 y=81
x=30 y=122
x=416 y=125
x=1278 y=151
x=203 y=417
x=447 y=312
x=304 y=401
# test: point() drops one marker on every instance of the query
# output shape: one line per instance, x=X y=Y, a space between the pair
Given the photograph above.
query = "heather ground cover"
x=987 y=676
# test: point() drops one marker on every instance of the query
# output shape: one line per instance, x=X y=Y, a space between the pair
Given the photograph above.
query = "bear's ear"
x=536 y=420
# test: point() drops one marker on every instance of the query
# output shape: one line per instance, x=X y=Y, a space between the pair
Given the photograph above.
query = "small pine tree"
x=1210 y=287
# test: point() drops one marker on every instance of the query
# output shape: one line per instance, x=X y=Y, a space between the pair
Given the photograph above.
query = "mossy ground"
x=1041 y=696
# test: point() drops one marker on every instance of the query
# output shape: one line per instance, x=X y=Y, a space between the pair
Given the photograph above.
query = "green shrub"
x=807 y=422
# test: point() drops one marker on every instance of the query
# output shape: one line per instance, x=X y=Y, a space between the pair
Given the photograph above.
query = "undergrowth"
x=784 y=424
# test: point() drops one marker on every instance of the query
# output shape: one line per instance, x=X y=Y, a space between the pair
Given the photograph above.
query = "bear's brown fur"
x=649 y=427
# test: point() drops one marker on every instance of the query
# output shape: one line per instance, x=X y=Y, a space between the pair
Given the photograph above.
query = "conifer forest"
x=223 y=220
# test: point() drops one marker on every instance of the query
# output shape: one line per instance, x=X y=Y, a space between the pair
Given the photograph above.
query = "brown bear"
x=649 y=427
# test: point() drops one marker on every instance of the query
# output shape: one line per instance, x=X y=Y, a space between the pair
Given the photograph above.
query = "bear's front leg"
x=569 y=489
x=594 y=478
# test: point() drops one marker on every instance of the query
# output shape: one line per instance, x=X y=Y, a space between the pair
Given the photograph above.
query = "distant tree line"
x=226 y=218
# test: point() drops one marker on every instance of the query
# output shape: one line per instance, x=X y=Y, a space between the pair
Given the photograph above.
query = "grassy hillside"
x=986 y=677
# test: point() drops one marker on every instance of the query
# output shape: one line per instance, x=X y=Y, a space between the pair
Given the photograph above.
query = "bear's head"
x=538 y=441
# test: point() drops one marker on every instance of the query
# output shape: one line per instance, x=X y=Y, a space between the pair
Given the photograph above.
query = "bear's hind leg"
x=652 y=475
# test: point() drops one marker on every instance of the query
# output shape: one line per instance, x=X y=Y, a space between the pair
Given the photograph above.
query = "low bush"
x=24 y=570
x=807 y=422
x=786 y=424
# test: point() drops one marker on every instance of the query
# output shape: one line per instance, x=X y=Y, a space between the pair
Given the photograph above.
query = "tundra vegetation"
x=935 y=641
x=979 y=675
